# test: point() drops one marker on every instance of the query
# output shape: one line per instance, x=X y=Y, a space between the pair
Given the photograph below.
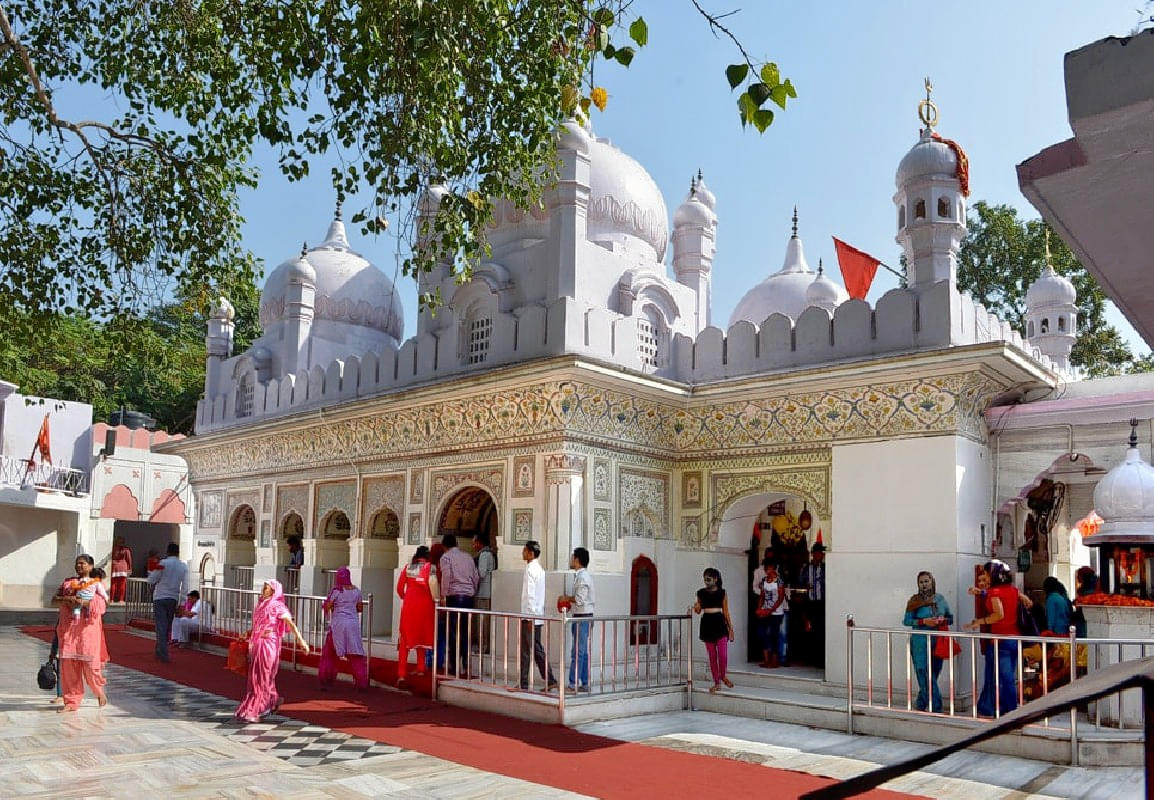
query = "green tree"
x=126 y=208
x=1001 y=255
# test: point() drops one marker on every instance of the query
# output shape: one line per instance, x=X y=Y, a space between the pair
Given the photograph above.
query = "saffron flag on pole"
x=857 y=268
x=44 y=442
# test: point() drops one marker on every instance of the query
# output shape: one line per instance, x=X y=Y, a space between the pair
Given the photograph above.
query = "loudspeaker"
x=109 y=443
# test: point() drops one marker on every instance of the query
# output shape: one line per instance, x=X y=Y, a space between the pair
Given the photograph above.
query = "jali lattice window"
x=244 y=394
x=647 y=339
x=480 y=332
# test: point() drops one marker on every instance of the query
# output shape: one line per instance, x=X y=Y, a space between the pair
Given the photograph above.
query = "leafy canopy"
x=1001 y=255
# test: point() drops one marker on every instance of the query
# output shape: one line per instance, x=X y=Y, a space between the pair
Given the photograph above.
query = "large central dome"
x=624 y=202
x=349 y=289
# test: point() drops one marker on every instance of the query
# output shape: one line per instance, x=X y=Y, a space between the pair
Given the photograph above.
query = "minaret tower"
x=300 y=298
x=218 y=345
x=694 y=226
x=1052 y=313
x=930 y=201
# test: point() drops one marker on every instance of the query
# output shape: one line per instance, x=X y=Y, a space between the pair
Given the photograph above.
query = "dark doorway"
x=140 y=537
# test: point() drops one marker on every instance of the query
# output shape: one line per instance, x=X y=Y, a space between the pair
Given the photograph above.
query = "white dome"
x=706 y=196
x=1124 y=499
x=1051 y=289
x=349 y=289
x=783 y=292
x=929 y=158
x=693 y=212
x=624 y=202
x=824 y=293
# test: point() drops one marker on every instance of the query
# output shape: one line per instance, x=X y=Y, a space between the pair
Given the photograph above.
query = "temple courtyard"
x=168 y=732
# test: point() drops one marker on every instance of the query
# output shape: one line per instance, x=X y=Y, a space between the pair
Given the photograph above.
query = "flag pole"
x=891 y=270
x=32 y=455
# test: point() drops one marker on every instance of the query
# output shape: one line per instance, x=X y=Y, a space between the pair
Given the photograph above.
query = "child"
x=90 y=588
x=154 y=560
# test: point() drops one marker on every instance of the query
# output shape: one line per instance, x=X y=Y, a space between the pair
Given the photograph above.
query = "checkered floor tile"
x=294 y=741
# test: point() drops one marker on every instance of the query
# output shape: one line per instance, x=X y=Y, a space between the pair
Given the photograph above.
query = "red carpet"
x=547 y=754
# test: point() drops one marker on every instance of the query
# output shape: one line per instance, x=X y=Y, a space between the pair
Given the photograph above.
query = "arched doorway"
x=207 y=570
x=333 y=549
x=291 y=528
x=386 y=528
x=643 y=600
x=789 y=524
x=468 y=512
x=240 y=547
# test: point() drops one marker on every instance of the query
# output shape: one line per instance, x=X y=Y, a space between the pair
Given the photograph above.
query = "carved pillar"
x=565 y=501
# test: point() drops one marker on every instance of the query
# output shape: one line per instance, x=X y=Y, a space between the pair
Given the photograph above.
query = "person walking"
x=169 y=581
x=82 y=651
x=416 y=586
x=581 y=602
x=343 y=638
x=459 y=581
x=486 y=566
x=716 y=626
x=927 y=610
x=120 y=566
x=270 y=618
x=533 y=605
x=773 y=607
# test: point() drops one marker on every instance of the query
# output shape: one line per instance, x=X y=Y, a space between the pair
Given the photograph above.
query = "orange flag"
x=44 y=442
x=857 y=268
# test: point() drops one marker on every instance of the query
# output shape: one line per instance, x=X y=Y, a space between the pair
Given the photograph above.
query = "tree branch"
x=715 y=25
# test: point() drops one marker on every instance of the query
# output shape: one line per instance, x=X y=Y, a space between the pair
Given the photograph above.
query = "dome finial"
x=692 y=186
x=795 y=222
x=1133 y=432
x=1049 y=260
x=699 y=177
x=337 y=215
x=927 y=110
x=820 y=268
x=304 y=249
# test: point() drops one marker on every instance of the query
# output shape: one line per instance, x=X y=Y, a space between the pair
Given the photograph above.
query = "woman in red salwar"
x=416 y=586
x=270 y=618
x=80 y=631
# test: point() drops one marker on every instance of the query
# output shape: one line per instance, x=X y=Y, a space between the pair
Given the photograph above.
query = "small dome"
x=261 y=355
x=1051 y=289
x=430 y=200
x=349 y=289
x=824 y=293
x=1124 y=498
x=783 y=292
x=693 y=212
x=704 y=195
x=222 y=309
x=572 y=135
x=929 y=158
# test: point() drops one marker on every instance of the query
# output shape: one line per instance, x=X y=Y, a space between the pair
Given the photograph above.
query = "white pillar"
x=564 y=520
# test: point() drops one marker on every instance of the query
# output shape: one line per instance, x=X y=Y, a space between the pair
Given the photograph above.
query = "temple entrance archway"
x=467 y=512
x=790 y=524
x=240 y=547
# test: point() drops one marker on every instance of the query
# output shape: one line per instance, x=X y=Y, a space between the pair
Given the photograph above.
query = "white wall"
x=37 y=552
x=69 y=428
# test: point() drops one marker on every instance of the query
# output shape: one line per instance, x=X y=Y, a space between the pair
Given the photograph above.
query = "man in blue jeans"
x=581 y=603
x=169 y=581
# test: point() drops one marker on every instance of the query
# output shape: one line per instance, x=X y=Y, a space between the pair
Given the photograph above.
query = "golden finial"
x=927 y=111
x=1048 y=264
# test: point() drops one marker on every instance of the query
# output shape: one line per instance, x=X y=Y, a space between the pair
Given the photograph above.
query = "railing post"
x=1074 y=709
x=563 y=678
x=369 y=643
x=849 y=673
x=433 y=669
x=689 y=659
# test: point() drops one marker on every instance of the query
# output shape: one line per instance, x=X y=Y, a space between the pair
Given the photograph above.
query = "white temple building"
x=576 y=392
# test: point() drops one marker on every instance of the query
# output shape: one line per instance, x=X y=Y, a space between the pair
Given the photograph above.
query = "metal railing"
x=231 y=610
x=292 y=580
x=16 y=472
x=882 y=672
x=622 y=653
x=242 y=577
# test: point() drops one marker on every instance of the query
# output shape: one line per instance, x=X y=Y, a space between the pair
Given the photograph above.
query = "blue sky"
x=858 y=68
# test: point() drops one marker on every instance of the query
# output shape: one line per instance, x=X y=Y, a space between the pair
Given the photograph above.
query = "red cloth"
x=857 y=268
x=1008 y=624
x=44 y=442
x=119 y=589
x=418 y=609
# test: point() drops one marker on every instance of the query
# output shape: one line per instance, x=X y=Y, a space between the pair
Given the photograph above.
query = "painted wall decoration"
x=602 y=480
x=691 y=489
x=211 y=507
x=292 y=499
x=441 y=484
x=616 y=416
x=523 y=476
x=335 y=496
x=414 y=531
x=265 y=533
x=247 y=497
x=603 y=538
x=266 y=508
x=378 y=493
x=643 y=503
x=522 y=526
x=417 y=486
x=691 y=533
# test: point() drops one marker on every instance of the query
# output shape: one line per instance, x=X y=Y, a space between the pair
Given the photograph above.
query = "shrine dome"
x=783 y=292
x=824 y=293
x=929 y=158
x=625 y=204
x=1124 y=499
x=350 y=291
x=1051 y=289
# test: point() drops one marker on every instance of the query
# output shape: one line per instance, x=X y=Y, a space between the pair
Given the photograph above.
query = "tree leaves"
x=770 y=87
x=639 y=32
x=735 y=74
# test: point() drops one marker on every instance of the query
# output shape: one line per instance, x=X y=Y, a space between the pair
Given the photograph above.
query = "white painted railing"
x=15 y=472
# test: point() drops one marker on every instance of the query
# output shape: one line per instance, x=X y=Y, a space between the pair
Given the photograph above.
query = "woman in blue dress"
x=926 y=610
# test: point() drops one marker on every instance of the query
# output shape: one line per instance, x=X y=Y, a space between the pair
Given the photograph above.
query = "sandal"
x=728 y=683
x=68 y=708
x=715 y=688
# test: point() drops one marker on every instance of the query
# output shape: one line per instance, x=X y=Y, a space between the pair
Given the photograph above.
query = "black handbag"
x=46 y=676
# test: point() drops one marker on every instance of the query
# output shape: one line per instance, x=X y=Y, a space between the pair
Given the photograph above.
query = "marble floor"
x=169 y=740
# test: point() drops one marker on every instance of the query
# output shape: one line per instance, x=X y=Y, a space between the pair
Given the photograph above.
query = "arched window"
x=944 y=207
x=476 y=334
x=1062 y=324
x=902 y=217
x=643 y=600
x=337 y=526
x=652 y=338
x=1045 y=324
x=1030 y=329
x=244 y=393
x=920 y=209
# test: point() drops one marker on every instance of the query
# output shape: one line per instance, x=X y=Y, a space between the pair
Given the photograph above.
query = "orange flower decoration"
x=600 y=98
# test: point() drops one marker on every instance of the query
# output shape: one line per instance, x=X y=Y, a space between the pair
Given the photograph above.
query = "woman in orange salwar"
x=416 y=586
x=270 y=618
x=80 y=631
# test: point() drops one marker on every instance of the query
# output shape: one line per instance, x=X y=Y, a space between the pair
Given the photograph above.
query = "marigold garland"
x=962 y=173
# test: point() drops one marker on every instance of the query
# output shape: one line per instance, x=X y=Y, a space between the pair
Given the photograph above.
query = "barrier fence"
x=897 y=668
x=231 y=610
x=614 y=654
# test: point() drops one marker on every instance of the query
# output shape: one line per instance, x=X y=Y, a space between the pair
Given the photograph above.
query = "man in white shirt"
x=169 y=580
x=188 y=621
x=533 y=604
x=581 y=604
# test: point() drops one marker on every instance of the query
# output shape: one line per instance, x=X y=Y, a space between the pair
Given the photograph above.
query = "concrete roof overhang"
x=1097 y=189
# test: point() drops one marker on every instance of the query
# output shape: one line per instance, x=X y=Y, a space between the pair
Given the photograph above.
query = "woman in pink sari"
x=343 y=639
x=269 y=620
x=80 y=631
